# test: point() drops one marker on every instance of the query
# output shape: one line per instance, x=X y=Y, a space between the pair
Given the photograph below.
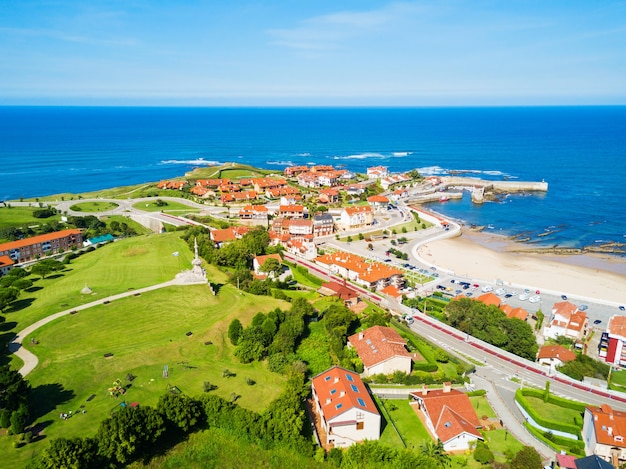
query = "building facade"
x=29 y=249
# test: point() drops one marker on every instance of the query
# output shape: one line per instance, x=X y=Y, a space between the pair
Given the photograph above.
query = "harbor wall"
x=497 y=186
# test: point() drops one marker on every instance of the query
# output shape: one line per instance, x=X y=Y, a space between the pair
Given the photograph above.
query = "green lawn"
x=138 y=227
x=22 y=216
x=143 y=333
x=482 y=407
x=135 y=262
x=175 y=208
x=553 y=412
x=93 y=206
x=407 y=422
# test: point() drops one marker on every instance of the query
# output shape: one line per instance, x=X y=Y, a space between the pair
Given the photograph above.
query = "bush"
x=483 y=454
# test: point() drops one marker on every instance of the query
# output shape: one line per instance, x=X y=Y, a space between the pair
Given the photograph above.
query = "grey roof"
x=323 y=216
x=593 y=462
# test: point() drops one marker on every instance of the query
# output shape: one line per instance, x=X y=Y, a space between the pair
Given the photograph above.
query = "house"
x=603 y=433
x=449 y=416
x=221 y=237
x=329 y=178
x=346 y=412
x=28 y=249
x=375 y=275
x=568 y=321
x=254 y=212
x=6 y=264
x=301 y=247
x=518 y=313
x=592 y=462
x=295 y=170
x=390 y=180
x=378 y=202
x=300 y=228
x=329 y=196
x=263 y=184
x=323 y=224
x=285 y=191
x=613 y=342
x=309 y=180
x=259 y=261
x=399 y=194
x=382 y=351
x=566 y=461
x=377 y=172
x=212 y=183
x=355 y=190
x=202 y=191
x=355 y=217
x=554 y=356
x=291 y=211
x=393 y=291
x=321 y=168
x=174 y=185
x=490 y=299
x=343 y=292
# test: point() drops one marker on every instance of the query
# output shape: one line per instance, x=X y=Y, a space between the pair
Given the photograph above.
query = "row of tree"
x=489 y=323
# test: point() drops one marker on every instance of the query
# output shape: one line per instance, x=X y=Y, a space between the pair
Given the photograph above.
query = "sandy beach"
x=489 y=257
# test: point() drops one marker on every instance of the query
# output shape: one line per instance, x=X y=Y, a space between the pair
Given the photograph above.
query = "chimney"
x=336 y=379
x=610 y=431
x=342 y=393
x=447 y=386
x=424 y=390
x=360 y=336
x=328 y=400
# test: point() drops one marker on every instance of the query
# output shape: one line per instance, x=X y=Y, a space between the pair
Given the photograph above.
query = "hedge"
x=556 y=400
x=310 y=277
x=564 y=427
x=478 y=392
x=558 y=442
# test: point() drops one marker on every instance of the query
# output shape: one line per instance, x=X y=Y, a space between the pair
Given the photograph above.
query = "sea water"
x=579 y=151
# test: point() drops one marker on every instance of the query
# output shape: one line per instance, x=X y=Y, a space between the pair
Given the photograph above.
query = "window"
x=338 y=406
x=327 y=378
x=350 y=378
x=333 y=391
x=361 y=402
x=359 y=425
x=447 y=424
x=354 y=388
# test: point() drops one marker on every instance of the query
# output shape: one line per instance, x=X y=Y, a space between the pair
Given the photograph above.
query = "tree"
x=75 y=453
x=18 y=272
x=483 y=454
x=8 y=296
x=234 y=331
x=40 y=269
x=23 y=283
x=180 y=410
x=19 y=418
x=271 y=266
x=526 y=458
x=436 y=452
x=124 y=435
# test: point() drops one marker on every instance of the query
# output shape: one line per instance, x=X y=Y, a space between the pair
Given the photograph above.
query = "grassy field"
x=229 y=171
x=22 y=216
x=143 y=333
x=482 y=407
x=407 y=422
x=170 y=207
x=113 y=268
x=138 y=227
x=93 y=206
x=553 y=412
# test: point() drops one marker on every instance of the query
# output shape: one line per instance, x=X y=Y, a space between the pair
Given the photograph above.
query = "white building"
x=345 y=409
x=566 y=320
x=382 y=351
x=604 y=430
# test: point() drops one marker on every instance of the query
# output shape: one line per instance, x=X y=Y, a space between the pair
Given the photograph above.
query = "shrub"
x=483 y=454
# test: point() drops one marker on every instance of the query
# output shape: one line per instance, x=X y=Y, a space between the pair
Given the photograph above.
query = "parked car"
x=500 y=291
x=487 y=289
x=523 y=297
x=534 y=299
x=564 y=297
x=583 y=307
x=597 y=321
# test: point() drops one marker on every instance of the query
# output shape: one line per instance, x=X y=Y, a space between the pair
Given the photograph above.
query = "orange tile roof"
x=369 y=271
x=605 y=418
x=564 y=308
x=378 y=199
x=378 y=344
x=6 y=261
x=556 y=351
x=342 y=291
x=339 y=390
x=451 y=412
x=20 y=243
x=519 y=313
x=363 y=208
x=490 y=299
x=228 y=234
x=262 y=259
x=617 y=326
x=391 y=290
x=291 y=208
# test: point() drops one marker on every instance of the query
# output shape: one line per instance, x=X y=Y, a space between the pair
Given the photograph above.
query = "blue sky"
x=305 y=52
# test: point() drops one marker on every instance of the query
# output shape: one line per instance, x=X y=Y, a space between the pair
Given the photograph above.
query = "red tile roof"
x=609 y=425
x=391 y=290
x=617 y=326
x=368 y=271
x=353 y=210
x=381 y=199
x=378 y=344
x=339 y=390
x=228 y=234
x=262 y=259
x=556 y=351
x=6 y=261
x=341 y=291
x=38 y=239
x=451 y=413
x=490 y=299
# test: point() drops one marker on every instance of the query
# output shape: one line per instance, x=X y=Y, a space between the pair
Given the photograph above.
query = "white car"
x=523 y=297
x=534 y=299
x=487 y=288
x=500 y=291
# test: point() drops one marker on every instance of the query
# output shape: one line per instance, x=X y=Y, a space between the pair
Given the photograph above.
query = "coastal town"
x=366 y=240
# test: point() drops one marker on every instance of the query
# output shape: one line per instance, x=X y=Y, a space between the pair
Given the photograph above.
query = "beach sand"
x=489 y=257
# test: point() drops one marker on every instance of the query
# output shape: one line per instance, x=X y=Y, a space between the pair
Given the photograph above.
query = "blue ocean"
x=579 y=151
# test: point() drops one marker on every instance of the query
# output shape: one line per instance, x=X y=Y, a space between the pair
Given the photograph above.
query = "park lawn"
x=170 y=207
x=102 y=206
x=553 y=412
x=407 y=422
x=138 y=227
x=482 y=407
x=618 y=378
x=23 y=216
x=145 y=333
x=129 y=263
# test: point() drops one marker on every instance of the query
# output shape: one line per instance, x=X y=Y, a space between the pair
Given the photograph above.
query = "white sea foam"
x=432 y=170
x=280 y=163
x=306 y=153
x=359 y=156
x=197 y=161
x=402 y=153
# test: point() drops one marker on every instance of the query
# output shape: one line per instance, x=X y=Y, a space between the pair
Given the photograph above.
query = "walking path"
x=30 y=359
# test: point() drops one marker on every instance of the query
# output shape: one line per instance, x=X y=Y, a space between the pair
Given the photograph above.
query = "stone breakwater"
x=496 y=187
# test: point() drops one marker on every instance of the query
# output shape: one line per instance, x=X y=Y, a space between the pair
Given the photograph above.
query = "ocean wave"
x=402 y=153
x=197 y=161
x=306 y=153
x=431 y=170
x=280 y=163
x=359 y=156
